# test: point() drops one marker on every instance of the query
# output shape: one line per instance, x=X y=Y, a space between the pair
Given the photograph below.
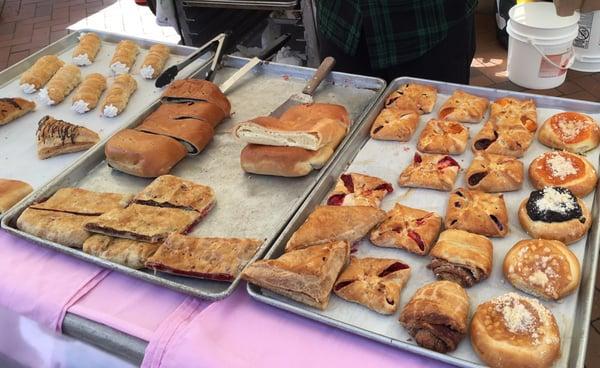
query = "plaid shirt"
x=395 y=30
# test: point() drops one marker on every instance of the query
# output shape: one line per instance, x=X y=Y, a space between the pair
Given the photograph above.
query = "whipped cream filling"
x=119 y=68
x=147 y=71
x=81 y=60
x=28 y=88
x=110 y=111
x=80 y=106
x=44 y=98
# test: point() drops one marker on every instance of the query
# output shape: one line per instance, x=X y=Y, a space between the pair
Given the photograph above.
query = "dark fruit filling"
x=497 y=222
x=417 y=238
x=343 y=284
x=396 y=266
x=417 y=159
x=336 y=200
x=482 y=144
x=476 y=178
x=566 y=210
x=348 y=183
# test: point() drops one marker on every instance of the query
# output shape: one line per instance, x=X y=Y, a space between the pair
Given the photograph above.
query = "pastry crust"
x=568 y=231
x=83 y=202
x=284 y=161
x=314 y=112
x=144 y=223
x=57 y=137
x=117 y=96
x=175 y=192
x=571 y=131
x=305 y=275
x=11 y=192
x=59 y=227
x=393 y=124
x=219 y=259
x=515 y=331
x=14 y=108
x=87 y=49
x=430 y=171
x=508 y=139
x=143 y=154
x=40 y=72
x=353 y=189
x=375 y=283
x=563 y=169
x=477 y=212
x=124 y=57
x=61 y=84
x=408 y=228
x=543 y=268
x=506 y=110
x=155 y=61
x=272 y=131
x=202 y=111
x=194 y=134
x=494 y=173
x=89 y=92
x=436 y=316
x=334 y=223
x=413 y=96
x=183 y=90
x=463 y=107
x=462 y=257
x=443 y=137
x=127 y=252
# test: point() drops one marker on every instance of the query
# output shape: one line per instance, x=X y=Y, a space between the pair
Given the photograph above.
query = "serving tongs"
x=215 y=45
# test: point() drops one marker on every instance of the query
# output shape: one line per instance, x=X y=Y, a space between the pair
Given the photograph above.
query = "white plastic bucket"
x=540 y=45
x=587 y=43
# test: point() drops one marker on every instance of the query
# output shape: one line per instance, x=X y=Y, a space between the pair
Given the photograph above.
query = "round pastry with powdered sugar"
x=555 y=213
x=543 y=268
x=515 y=331
x=571 y=131
x=564 y=169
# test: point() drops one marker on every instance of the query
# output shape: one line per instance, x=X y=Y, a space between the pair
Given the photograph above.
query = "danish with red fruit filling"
x=408 y=228
x=430 y=171
x=353 y=189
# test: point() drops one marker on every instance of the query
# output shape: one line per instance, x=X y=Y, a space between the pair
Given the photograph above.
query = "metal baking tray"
x=243 y=4
x=246 y=205
x=387 y=160
x=18 y=159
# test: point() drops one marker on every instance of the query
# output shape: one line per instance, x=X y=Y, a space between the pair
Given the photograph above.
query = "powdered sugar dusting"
x=570 y=129
x=519 y=319
x=560 y=166
x=553 y=200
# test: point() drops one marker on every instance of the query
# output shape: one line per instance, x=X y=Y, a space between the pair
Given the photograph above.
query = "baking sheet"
x=246 y=205
x=387 y=160
x=18 y=149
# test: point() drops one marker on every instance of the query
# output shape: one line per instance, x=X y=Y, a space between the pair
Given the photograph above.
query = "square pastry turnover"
x=464 y=107
x=430 y=171
x=477 y=212
x=495 y=173
x=413 y=96
x=353 y=189
x=443 y=137
x=394 y=124
x=508 y=138
x=408 y=228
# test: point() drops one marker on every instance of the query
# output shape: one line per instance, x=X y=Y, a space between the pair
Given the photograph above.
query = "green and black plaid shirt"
x=395 y=30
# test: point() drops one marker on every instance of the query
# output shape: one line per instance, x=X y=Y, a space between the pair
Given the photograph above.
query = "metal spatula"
x=309 y=90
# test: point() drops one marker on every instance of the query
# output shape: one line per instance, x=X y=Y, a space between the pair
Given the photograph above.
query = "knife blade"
x=306 y=96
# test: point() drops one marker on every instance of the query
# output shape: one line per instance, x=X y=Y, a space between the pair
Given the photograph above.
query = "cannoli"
x=61 y=84
x=88 y=94
x=155 y=61
x=40 y=73
x=85 y=53
x=118 y=95
x=124 y=57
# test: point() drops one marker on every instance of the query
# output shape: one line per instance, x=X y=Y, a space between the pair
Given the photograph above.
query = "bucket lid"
x=541 y=15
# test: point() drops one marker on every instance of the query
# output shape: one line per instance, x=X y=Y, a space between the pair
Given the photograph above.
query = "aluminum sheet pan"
x=247 y=205
x=18 y=153
x=387 y=159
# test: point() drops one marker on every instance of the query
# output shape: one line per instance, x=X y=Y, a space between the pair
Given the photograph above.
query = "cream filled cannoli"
x=61 y=84
x=155 y=61
x=85 y=53
x=118 y=95
x=124 y=57
x=40 y=73
x=88 y=94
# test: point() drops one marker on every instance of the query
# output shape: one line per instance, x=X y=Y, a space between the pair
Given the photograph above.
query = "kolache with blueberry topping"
x=555 y=213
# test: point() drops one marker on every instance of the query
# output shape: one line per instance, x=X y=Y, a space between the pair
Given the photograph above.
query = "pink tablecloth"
x=182 y=331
